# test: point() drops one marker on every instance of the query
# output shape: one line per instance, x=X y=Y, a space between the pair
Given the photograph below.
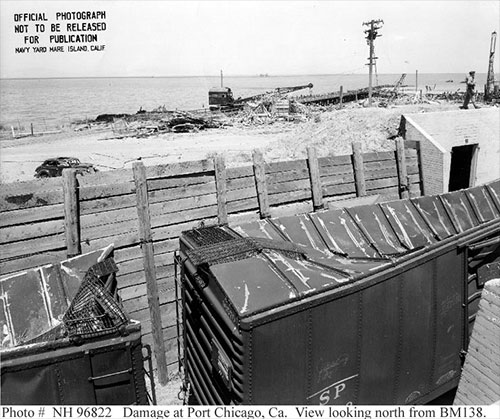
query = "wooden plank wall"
x=35 y=215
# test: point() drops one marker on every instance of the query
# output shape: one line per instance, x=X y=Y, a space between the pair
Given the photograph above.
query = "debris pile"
x=159 y=121
x=271 y=108
x=262 y=109
x=387 y=97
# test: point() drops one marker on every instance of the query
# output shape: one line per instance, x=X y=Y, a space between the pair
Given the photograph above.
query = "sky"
x=199 y=38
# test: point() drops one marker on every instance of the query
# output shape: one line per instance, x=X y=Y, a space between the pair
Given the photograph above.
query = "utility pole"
x=490 y=78
x=371 y=35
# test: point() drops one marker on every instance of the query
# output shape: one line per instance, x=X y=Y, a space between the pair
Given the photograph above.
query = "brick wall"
x=439 y=132
x=432 y=160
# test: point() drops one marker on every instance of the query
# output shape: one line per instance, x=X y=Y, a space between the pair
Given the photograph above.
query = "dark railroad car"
x=365 y=305
x=104 y=371
x=65 y=338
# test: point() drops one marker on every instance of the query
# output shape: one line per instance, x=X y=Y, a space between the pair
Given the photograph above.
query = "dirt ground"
x=331 y=131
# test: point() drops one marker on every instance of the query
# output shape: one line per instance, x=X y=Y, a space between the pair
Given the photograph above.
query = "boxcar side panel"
x=380 y=313
x=334 y=348
x=395 y=342
x=279 y=355
x=416 y=327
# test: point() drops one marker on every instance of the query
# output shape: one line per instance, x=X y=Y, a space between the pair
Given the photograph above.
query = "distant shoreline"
x=497 y=76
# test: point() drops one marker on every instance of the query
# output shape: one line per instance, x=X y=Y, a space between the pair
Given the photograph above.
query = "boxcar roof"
x=340 y=246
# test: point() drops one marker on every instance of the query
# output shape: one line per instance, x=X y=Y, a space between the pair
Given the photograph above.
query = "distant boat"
x=449 y=81
x=264 y=75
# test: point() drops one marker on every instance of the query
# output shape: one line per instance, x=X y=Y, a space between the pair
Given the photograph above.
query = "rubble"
x=265 y=109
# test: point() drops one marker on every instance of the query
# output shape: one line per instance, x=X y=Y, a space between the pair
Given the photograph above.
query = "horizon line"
x=262 y=75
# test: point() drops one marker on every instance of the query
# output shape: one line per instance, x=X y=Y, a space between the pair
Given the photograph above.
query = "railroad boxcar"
x=364 y=305
x=66 y=339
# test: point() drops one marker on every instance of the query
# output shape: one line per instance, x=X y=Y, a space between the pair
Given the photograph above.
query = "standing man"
x=469 y=94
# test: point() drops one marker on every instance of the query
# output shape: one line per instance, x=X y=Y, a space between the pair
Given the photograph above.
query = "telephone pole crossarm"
x=371 y=35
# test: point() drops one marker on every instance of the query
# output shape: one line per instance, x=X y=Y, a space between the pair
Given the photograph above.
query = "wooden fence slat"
x=240 y=183
x=239 y=194
x=337 y=179
x=200 y=214
x=359 y=170
x=14 y=200
x=51 y=184
x=302 y=207
x=165 y=290
x=401 y=166
x=71 y=212
x=317 y=195
x=378 y=155
x=31 y=215
x=240 y=205
x=175 y=230
x=160 y=209
x=289 y=175
x=116 y=189
x=345 y=188
x=172 y=194
x=180 y=168
x=107 y=178
x=285 y=197
x=32 y=246
x=221 y=187
x=304 y=184
x=29 y=231
x=33 y=261
x=108 y=230
x=175 y=182
x=382 y=183
x=106 y=204
x=237 y=172
x=149 y=268
x=334 y=160
x=343 y=169
x=381 y=174
x=285 y=166
x=115 y=216
x=260 y=183
x=129 y=253
x=374 y=166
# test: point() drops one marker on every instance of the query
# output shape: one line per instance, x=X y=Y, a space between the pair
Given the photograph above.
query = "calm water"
x=51 y=103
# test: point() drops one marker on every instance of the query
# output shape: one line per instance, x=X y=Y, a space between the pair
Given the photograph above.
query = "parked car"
x=54 y=167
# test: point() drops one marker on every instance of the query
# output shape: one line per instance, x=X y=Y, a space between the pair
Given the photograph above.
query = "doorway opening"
x=463 y=167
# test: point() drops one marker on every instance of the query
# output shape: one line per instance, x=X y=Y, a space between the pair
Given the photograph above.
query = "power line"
x=371 y=35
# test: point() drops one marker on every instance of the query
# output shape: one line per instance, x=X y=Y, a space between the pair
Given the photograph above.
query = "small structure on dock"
x=458 y=149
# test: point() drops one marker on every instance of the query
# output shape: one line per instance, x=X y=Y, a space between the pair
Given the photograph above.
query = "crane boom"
x=490 y=79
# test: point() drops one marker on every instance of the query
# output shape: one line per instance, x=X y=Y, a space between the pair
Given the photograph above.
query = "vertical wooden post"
x=317 y=193
x=71 y=212
x=221 y=188
x=359 y=169
x=420 y=171
x=259 y=171
x=402 y=172
x=341 y=96
x=145 y=236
